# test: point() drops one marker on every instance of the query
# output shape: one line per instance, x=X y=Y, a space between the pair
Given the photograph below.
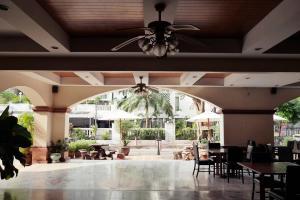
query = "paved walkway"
x=126 y=180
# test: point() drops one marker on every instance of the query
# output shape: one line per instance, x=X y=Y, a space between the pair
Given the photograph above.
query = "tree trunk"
x=200 y=105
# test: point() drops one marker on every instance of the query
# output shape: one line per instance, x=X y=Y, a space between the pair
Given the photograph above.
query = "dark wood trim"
x=248 y=112
x=138 y=62
x=50 y=109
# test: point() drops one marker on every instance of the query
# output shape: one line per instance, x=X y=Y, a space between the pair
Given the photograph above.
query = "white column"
x=170 y=132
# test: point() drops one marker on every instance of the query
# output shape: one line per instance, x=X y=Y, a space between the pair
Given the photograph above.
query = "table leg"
x=262 y=190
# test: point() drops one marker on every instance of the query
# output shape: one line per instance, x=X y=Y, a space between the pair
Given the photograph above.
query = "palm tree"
x=155 y=100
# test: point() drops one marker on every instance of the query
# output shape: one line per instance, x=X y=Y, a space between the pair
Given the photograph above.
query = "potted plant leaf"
x=12 y=137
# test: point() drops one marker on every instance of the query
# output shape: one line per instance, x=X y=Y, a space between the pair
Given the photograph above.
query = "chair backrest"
x=234 y=154
x=292 y=182
x=214 y=145
x=251 y=142
x=196 y=152
x=249 y=152
x=261 y=157
x=285 y=154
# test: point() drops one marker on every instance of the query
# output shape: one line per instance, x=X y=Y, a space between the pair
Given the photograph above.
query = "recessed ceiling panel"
x=223 y=18
x=96 y=17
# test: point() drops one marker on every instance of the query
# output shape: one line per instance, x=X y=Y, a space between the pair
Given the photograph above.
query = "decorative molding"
x=248 y=112
x=50 y=109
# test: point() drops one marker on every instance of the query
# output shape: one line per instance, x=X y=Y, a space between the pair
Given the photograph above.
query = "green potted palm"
x=12 y=137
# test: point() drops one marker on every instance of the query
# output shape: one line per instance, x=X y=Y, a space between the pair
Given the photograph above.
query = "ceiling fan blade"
x=152 y=89
x=116 y=48
x=135 y=28
x=186 y=27
x=136 y=86
x=190 y=40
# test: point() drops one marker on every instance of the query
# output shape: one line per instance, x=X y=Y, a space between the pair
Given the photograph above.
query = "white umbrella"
x=206 y=116
x=278 y=118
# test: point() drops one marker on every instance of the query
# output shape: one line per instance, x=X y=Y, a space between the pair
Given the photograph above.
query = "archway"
x=287 y=122
x=83 y=115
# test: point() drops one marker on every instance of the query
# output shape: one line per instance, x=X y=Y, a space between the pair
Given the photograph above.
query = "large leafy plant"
x=12 y=137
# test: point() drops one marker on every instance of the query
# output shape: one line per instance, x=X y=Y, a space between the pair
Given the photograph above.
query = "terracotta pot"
x=28 y=159
x=83 y=153
x=71 y=154
x=125 y=150
x=77 y=154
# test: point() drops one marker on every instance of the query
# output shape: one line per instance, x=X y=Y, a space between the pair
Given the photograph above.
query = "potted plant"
x=27 y=121
x=57 y=150
x=12 y=137
x=72 y=149
x=125 y=126
x=203 y=148
x=125 y=149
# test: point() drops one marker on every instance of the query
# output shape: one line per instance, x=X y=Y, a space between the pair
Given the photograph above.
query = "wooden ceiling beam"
x=281 y=23
x=139 y=62
x=190 y=78
x=33 y=21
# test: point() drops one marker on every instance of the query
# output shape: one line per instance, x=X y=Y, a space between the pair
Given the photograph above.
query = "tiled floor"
x=126 y=180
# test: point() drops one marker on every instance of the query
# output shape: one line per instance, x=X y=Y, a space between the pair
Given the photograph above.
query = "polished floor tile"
x=126 y=180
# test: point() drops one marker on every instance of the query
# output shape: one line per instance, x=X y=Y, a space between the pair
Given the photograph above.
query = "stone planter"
x=71 y=154
x=55 y=157
x=125 y=150
x=94 y=155
x=83 y=153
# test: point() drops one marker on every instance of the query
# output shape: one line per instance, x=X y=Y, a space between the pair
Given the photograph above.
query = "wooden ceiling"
x=65 y=74
x=223 y=18
x=215 y=18
x=96 y=17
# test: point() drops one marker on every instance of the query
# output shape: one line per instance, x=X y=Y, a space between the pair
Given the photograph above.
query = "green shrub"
x=186 y=134
x=81 y=144
x=78 y=134
x=72 y=146
x=106 y=135
x=286 y=139
x=147 y=133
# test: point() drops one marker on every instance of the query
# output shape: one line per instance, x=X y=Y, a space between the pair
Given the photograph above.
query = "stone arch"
x=39 y=93
x=34 y=97
x=91 y=92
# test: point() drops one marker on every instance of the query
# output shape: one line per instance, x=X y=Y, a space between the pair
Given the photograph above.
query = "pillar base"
x=39 y=154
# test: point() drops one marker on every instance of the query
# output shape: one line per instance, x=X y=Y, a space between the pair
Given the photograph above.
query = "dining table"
x=219 y=155
x=266 y=168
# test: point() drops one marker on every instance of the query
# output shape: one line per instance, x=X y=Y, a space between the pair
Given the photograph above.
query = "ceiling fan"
x=160 y=39
x=142 y=88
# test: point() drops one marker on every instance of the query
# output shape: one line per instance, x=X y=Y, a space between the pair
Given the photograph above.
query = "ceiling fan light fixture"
x=159 y=50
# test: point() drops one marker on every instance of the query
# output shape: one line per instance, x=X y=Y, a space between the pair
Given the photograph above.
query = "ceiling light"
x=3 y=7
x=258 y=49
x=159 y=50
x=54 y=47
x=247 y=78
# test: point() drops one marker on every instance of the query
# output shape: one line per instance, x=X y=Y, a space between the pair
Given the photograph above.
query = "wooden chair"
x=199 y=162
x=233 y=156
x=291 y=190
